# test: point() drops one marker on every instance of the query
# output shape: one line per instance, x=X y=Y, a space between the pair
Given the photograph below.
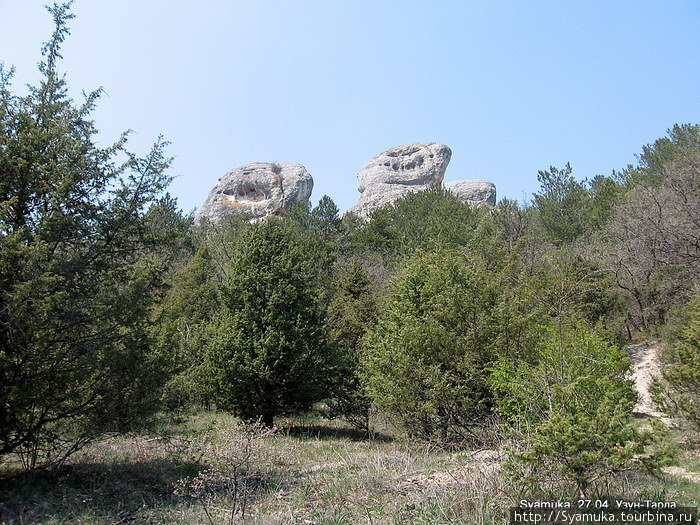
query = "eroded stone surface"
x=258 y=190
x=412 y=164
x=398 y=171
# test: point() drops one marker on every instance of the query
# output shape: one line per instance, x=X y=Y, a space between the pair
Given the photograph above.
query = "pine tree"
x=325 y=219
x=563 y=204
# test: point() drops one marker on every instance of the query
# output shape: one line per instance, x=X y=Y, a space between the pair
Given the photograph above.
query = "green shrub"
x=571 y=407
x=680 y=395
x=351 y=313
x=270 y=354
x=424 y=362
x=81 y=264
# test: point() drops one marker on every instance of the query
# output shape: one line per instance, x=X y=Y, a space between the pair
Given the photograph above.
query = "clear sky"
x=511 y=86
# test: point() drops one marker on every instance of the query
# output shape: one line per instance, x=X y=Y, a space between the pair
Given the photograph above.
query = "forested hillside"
x=431 y=323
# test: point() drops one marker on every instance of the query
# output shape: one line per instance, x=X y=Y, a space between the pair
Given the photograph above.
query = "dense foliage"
x=679 y=392
x=571 y=403
x=270 y=354
x=425 y=360
x=81 y=264
x=445 y=318
x=351 y=313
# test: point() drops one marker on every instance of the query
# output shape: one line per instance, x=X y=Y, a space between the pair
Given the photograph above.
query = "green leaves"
x=271 y=355
x=562 y=203
x=425 y=360
x=80 y=269
x=568 y=371
x=572 y=404
x=426 y=220
x=679 y=393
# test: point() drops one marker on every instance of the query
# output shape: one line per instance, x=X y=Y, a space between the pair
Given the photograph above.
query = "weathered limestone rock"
x=399 y=171
x=259 y=190
x=476 y=191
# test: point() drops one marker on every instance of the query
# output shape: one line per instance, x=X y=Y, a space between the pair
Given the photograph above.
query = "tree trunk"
x=268 y=418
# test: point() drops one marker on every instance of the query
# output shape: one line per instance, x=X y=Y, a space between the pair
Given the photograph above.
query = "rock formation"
x=399 y=171
x=258 y=190
x=413 y=167
x=477 y=191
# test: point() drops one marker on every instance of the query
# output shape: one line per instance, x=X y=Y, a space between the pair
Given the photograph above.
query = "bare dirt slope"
x=645 y=359
x=645 y=367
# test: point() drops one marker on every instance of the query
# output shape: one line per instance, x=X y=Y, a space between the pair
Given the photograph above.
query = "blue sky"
x=511 y=86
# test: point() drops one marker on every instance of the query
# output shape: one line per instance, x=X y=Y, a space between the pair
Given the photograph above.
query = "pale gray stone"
x=399 y=171
x=258 y=190
x=412 y=164
x=476 y=191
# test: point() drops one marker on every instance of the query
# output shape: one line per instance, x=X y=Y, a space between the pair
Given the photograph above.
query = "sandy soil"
x=646 y=366
x=645 y=359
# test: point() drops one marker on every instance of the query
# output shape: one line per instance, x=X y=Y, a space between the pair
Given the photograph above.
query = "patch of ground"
x=484 y=463
x=645 y=367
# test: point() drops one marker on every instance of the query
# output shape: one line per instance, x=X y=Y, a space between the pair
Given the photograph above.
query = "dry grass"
x=211 y=469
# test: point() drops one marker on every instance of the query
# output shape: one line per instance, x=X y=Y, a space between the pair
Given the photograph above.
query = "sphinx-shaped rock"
x=399 y=171
x=258 y=190
x=475 y=191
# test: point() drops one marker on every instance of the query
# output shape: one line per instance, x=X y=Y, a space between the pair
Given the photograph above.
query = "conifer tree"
x=271 y=355
x=679 y=394
x=351 y=314
x=80 y=267
x=563 y=204
x=185 y=327
x=570 y=404
x=425 y=361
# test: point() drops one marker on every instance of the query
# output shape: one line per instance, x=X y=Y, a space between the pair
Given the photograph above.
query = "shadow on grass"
x=327 y=432
x=112 y=492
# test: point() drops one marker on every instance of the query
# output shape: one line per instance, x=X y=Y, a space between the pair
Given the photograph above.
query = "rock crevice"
x=405 y=169
x=263 y=189
x=257 y=190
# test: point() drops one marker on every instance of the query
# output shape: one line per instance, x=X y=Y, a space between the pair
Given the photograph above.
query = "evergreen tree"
x=325 y=219
x=571 y=404
x=606 y=193
x=351 y=313
x=426 y=220
x=562 y=203
x=323 y=240
x=679 y=394
x=656 y=158
x=80 y=268
x=566 y=285
x=185 y=327
x=271 y=355
x=425 y=361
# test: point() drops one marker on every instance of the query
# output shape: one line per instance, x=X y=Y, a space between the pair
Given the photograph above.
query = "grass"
x=211 y=469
